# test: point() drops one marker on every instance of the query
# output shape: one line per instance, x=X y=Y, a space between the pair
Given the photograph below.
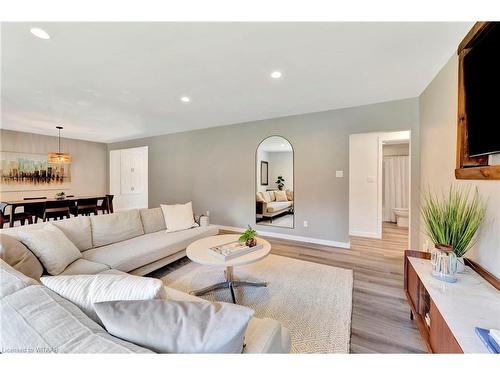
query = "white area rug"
x=313 y=301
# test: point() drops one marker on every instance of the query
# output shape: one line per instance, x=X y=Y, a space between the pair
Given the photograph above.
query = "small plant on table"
x=248 y=237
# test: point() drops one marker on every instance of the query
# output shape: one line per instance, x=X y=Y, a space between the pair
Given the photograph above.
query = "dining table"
x=15 y=204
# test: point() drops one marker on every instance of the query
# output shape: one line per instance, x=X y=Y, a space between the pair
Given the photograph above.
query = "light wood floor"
x=380 y=321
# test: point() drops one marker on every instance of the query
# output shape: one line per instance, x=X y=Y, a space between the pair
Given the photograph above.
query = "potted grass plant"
x=454 y=219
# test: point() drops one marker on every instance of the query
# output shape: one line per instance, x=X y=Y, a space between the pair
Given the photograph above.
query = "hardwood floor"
x=380 y=321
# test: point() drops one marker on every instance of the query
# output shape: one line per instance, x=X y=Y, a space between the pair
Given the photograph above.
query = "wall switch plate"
x=370 y=179
x=339 y=173
x=305 y=223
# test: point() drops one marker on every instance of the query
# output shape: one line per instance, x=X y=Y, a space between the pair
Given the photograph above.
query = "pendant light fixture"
x=59 y=157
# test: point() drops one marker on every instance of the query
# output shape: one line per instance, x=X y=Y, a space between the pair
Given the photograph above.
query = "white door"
x=128 y=178
x=363 y=185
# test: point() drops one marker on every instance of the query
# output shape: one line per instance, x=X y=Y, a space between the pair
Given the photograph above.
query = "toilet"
x=401 y=217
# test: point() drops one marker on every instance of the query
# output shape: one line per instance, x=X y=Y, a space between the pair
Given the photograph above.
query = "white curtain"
x=395 y=185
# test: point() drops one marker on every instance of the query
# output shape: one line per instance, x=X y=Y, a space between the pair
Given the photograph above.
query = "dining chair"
x=57 y=209
x=106 y=205
x=19 y=216
x=84 y=206
x=36 y=209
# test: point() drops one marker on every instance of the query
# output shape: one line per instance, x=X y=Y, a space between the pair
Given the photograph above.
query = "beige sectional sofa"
x=267 y=207
x=133 y=241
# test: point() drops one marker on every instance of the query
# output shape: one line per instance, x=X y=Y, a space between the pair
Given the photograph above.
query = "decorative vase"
x=251 y=242
x=444 y=263
x=460 y=265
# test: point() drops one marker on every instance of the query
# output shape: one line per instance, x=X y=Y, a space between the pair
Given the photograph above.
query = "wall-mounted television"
x=482 y=93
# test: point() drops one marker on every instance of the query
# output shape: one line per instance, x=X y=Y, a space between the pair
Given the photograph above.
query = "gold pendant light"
x=59 y=157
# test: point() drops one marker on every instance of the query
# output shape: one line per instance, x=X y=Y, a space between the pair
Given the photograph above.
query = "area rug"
x=313 y=301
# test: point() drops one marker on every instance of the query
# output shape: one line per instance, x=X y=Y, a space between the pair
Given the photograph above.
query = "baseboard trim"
x=365 y=234
x=318 y=241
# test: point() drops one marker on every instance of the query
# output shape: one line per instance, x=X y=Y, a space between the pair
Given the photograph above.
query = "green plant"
x=454 y=218
x=248 y=234
x=281 y=182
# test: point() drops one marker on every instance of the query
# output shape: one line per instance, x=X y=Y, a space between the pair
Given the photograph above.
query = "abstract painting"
x=28 y=172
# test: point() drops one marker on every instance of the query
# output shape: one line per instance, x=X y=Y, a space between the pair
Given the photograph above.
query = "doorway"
x=374 y=205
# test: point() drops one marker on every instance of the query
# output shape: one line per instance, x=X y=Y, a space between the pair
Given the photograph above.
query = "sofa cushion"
x=77 y=229
x=12 y=280
x=111 y=228
x=35 y=319
x=84 y=267
x=152 y=219
x=280 y=196
x=137 y=252
x=85 y=290
x=262 y=336
x=52 y=247
x=278 y=206
x=18 y=256
x=177 y=326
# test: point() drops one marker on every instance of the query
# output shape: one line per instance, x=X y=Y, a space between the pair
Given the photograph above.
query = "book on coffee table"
x=232 y=250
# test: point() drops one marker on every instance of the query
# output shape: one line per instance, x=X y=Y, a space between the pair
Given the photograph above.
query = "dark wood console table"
x=446 y=314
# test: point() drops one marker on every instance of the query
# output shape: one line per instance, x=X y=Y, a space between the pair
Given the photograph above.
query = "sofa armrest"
x=265 y=335
x=260 y=208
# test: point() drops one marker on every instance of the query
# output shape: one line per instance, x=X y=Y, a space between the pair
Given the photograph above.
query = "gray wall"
x=438 y=113
x=215 y=167
x=88 y=168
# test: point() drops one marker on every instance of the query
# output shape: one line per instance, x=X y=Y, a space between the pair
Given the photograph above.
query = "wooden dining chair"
x=22 y=217
x=84 y=206
x=56 y=210
x=106 y=205
x=36 y=210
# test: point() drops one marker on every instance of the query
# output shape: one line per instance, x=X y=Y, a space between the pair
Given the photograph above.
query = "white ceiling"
x=115 y=81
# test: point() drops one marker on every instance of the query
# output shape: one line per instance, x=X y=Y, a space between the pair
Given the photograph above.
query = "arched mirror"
x=274 y=204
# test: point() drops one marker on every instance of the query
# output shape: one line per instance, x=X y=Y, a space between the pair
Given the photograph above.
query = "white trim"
x=365 y=234
x=319 y=241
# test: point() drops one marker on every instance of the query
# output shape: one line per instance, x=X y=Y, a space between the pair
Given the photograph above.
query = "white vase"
x=460 y=264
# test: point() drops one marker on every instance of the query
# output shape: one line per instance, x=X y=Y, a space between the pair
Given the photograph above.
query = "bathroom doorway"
x=395 y=196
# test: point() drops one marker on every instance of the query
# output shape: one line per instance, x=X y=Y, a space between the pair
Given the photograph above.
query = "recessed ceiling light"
x=42 y=34
x=185 y=99
x=276 y=74
x=282 y=145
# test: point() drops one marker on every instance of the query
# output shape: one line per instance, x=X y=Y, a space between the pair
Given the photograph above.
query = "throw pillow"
x=178 y=216
x=289 y=195
x=85 y=290
x=267 y=196
x=260 y=198
x=271 y=194
x=51 y=246
x=280 y=196
x=177 y=326
x=19 y=257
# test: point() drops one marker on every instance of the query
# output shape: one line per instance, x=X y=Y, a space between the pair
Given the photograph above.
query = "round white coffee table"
x=198 y=253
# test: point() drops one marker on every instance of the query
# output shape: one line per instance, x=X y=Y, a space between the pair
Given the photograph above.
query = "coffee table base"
x=230 y=284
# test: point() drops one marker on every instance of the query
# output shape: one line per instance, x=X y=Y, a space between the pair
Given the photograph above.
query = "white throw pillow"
x=54 y=250
x=178 y=216
x=177 y=326
x=85 y=290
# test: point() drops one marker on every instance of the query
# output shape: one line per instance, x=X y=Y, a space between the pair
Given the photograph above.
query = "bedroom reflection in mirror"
x=274 y=204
